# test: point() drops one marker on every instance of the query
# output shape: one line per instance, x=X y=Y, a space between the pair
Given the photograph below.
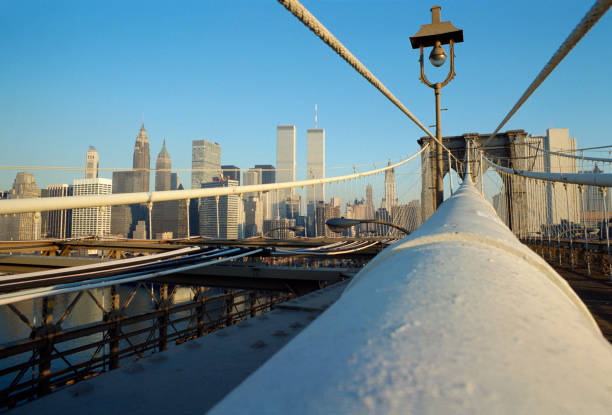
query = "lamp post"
x=295 y=229
x=339 y=225
x=435 y=35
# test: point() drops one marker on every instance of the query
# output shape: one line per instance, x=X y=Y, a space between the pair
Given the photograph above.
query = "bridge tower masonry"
x=509 y=149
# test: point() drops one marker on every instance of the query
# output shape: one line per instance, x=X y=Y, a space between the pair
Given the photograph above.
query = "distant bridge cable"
x=572 y=156
x=304 y=16
x=588 y=21
x=589 y=179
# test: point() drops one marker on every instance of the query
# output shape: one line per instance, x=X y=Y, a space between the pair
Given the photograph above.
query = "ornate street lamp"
x=435 y=35
x=339 y=225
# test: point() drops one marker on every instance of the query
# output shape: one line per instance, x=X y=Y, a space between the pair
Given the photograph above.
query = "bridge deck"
x=596 y=293
x=192 y=377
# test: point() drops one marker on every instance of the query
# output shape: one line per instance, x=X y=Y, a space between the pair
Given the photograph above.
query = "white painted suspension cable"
x=556 y=153
x=304 y=16
x=88 y=201
x=589 y=179
x=328 y=253
x=588 y=21
x=118 y=279
x=31 y=294
x=107 y=265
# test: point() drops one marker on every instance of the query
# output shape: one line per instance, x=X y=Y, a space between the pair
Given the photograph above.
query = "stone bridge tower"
x=508 y=149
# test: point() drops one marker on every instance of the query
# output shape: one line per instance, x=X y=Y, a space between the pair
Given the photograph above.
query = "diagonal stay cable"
x=304 y=16
x=588 y=21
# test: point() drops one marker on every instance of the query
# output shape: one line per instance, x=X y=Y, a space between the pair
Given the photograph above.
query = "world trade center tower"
x=285 y=157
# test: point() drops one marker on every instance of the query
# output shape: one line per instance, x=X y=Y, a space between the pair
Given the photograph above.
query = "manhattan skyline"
x=81 y=74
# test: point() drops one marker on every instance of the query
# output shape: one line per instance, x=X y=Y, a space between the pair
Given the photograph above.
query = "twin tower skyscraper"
x=286 y=160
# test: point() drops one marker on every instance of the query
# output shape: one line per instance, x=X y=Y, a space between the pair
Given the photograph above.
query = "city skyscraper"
x=91 y=163
x=389 y=199
x=21 y=226
x=233 y=172
x=205 y=162
x=315 y=163
x=251 y=177
x=285 y=157
x=94 y=220
x=168 y=218
x=142 y=158
x=220 y=217
x=125 y=218
x=162 y=170
x=57 y=223
x=268 y=173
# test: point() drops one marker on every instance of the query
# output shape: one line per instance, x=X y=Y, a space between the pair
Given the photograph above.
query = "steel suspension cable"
x=304 y=16
x=588 y=21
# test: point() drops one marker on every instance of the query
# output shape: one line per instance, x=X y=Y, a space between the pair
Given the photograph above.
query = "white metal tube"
x=458 y=318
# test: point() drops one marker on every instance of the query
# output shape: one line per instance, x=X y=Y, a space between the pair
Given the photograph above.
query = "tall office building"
x=91 y=163
x=253 y=216
x=125 y=217
x=169 y=218
x=57 y=223
x=390 y=199
x=220 y=217
x=91 y=221
x=21 y=226
x=268 y=173
x=315 y=163
x=142 y=158
x=252 y=177
x=205 y=162
x=285 y=157
x=231 y=172
x=162 y=170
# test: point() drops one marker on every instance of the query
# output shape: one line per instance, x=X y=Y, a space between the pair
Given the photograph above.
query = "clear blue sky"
x=76 y=73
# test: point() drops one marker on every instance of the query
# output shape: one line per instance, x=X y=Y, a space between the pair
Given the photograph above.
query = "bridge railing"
x=58 y=353
x=564 y=211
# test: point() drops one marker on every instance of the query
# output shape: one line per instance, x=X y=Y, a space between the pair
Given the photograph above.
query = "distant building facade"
x=125 y=217
x=390 y=199
x=231 y=172
x=285 y=157
x=21 y=226
x=168 y=218
x=57 y=223
x=142 y=158
x=93 y=221
x=278 y=228
x=91 y=163
x=220 y=217
x=163 y=165
x=205 y=162
x=268 y=173
x=315 y=163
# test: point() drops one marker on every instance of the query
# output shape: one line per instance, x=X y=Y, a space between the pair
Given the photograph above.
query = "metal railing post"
x=46 y=348
x=163 y=319
x=115 y=331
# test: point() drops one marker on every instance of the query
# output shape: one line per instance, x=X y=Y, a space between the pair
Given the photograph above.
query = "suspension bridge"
x=472 y=311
